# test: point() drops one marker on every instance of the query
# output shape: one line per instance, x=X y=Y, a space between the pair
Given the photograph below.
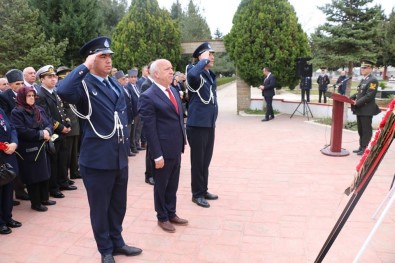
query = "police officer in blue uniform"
x=104 y=144
x=365 y=106
x=202 y=115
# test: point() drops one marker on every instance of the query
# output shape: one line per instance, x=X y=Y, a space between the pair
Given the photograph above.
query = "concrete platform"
x=279 y=199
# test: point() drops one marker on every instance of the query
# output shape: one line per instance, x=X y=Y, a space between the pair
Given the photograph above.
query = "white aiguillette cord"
x=117 y=122
x=200 y=86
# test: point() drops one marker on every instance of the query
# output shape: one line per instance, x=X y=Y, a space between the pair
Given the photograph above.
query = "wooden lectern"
x=335 y=147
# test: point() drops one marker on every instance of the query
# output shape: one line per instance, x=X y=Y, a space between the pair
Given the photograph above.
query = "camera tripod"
x=306 y=109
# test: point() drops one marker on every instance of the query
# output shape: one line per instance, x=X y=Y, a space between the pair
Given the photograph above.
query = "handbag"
x=6 y=174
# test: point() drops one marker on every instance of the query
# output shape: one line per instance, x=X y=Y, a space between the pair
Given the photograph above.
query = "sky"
x=219 y=13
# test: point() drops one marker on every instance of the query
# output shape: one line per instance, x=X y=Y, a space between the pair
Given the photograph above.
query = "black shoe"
x=107 y=259
x=134 y=151
x=4 y=230
x=360 y=152
x=131 y=153
x=140 y=148
x=71 y=182
x=57 y=194
x=22 y=196
x=67 y=187
x=76 y=176
x=271 y=117
x=265 y=119
x=15 y=203
x=357 y=150
x=127 y=251
x=48 y=202
x=200 y=201
x=39 y=208
x=13 y=224
x=150 y=180
x=209 y=196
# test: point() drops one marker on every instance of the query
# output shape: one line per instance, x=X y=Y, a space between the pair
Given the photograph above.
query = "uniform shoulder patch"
x=373 y=86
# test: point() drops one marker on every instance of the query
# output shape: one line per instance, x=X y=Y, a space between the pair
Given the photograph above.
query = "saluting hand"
x=90 y=60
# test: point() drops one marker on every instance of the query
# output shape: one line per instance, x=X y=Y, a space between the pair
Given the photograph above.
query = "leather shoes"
x=107 y=259
x=68 y=187
x=131 y=154
x=48 y=202
x=360 y=152
x=22 y=196
x=4 y=230
x=166 y=226
x=15 y=202
x=39 y=208
x=271 y=117
x=209 y=196
x=150 y=180
x=57 y=194
x=178 y=221
x=265 y=119
x=13 y=223
x=200 y=201
x=134 y=151
x=76 y=176
x=357 y=150
x=71 y=182
x=127 y=251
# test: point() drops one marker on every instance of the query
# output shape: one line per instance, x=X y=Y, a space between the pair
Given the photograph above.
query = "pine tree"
x=193 y=26
x=266 y=35
x=145 y=33
x=176 y=12
x=218 y=34
x=23 y=42
x=348 y=35
x=386 y=42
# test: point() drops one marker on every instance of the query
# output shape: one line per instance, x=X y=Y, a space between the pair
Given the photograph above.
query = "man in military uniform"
x=54 y=107
x=305 y=86
x=365 y=106
x=202 y=115
x=104 y=144
x=323 y=81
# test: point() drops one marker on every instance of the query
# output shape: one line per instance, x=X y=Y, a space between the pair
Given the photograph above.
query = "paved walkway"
x=279 y=199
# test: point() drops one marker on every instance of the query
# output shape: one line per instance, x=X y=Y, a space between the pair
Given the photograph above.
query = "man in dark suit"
x=202 y=115
x=144 y=76
x=268 y=91
x=122 y=80
x=53 y=106
x=134 y=95
x=7 y=103
x=161 y=111
x=365 y=106
x=104 y=144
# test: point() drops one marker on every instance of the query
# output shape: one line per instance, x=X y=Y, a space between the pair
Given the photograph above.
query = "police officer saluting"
x=365 y=105
x=202 y=115
x=104 y=144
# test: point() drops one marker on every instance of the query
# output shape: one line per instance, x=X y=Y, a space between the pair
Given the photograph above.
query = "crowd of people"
x=61 y=124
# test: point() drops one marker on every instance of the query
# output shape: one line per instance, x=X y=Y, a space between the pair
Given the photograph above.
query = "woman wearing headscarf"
x=9 y=140
x=34 y=129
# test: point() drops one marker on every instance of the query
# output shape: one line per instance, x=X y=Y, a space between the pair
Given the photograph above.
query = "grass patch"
x=352 y=125
x=225 y=80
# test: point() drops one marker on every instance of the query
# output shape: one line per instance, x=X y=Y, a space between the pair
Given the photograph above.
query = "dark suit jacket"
x=146 y=85
x=270 y=84
x=129 y=103
x=7 y=101
x=134 y=96
x=163 y=126
x=96 y=152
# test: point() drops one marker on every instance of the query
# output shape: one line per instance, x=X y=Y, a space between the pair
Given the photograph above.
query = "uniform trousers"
x=307 y=92
x=165 y=188
x=73 y=155
x=364 y=124
x=321 y=93
x=201 y=142
x=59 y=165
x=38 y=192
x=107 y=197
x=6 y=198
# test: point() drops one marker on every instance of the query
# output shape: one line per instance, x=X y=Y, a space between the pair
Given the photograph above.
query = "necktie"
x=111 y=91
x=172 y=99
